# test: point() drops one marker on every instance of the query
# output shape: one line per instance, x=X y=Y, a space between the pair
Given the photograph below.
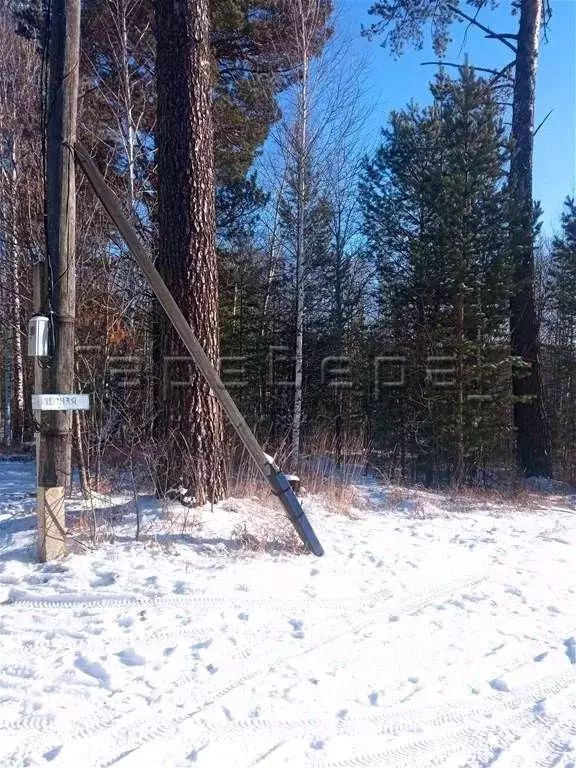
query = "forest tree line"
x=367 y=299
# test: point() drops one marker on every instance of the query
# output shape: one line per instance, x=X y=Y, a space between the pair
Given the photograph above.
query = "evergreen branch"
x=489 y=32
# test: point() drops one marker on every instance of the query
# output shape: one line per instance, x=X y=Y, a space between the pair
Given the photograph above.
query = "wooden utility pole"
x=37 y=293
x=60 y=297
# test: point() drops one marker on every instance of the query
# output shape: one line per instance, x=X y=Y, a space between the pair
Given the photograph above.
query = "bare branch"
x=542 y=123
x=490 y=32
x=504 y=35
x=459 y=66
x=504 y=71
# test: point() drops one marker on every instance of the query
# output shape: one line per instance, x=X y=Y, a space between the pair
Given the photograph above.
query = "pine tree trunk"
x=460 y=443
x=532 y=438
x=189 y=417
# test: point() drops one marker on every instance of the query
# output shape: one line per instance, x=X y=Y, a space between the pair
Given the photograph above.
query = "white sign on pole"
x=60 y=402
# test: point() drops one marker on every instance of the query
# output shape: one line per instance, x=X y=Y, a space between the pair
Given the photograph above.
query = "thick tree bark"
x=532 y=438
x=459 y=434
x=189 y=417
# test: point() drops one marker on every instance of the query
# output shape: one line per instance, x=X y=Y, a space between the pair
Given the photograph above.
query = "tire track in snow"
x=133 y=732
x=36 y=723
x=333 y=605
x=552 y=742
x=273 y=603
x=408 y=721
x=43 y=723
x=434 y=751
x=196 y=629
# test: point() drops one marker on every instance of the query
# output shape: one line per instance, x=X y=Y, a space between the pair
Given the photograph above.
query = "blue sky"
x=392 y=83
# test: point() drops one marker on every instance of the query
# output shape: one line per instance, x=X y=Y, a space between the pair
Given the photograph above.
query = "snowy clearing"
x=431 y=634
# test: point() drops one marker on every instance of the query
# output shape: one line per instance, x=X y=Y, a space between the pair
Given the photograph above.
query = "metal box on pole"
x=38 y=336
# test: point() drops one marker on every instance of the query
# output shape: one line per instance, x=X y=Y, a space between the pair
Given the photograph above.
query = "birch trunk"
x=8 y=360
x=16 y=291
x=301 y=193
x=127 y=96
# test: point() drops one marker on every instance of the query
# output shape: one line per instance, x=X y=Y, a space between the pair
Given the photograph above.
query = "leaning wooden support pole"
x=278 y=482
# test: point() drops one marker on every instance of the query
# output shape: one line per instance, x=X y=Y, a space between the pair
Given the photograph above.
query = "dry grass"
x=339 y=498
x=285 y=541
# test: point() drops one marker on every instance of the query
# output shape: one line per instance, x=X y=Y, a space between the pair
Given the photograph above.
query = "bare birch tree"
x=318 y=167
x=18 y=80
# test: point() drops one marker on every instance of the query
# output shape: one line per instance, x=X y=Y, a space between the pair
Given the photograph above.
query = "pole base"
x=51 y=524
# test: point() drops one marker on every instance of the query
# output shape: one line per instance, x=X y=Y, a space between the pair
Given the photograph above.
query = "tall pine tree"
x=562 y=321
x=403 y=21
x=434 y=206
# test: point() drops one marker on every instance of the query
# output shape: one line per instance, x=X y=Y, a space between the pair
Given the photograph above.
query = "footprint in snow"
x=318 y=744
x=55 y=568
x=130 y=658
x=52 y=754
x=570 y=645
x=93 y=669
x=203 y=644
x=192 y=757
x=297 y=627
x=499 y=685
x=473 y=598
x=103 y=580
x=511 y=590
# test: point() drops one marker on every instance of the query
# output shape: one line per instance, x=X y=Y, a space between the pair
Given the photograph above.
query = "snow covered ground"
x=433 y=633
